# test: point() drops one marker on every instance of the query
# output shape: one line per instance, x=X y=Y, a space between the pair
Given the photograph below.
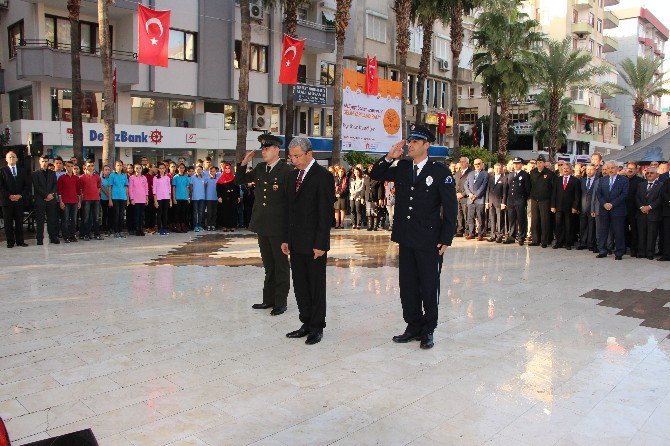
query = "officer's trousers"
x=275 y=262
x=419 y=272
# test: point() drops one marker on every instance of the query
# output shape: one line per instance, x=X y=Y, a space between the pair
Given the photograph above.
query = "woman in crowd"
x=138 y=191
x=341 y=194
x=105 y=199
x=162 y=198
x=180 y=199
x=357 y=200
x=229 y=197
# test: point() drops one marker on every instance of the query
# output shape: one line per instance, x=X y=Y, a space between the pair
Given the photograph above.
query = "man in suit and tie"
x=461 y=176
x=542 y=186
x=649 y=215
x=14 y=192
x=665 y=202
x=425 y=221
x=587 y=224
x=309 y=214
x=612 y=192
x=663 y=173
x=518 y=190
x=634 y=180
x=475 y=191
x=565 y=202
x=45 y=189
x=267 y=219
x=496 y=196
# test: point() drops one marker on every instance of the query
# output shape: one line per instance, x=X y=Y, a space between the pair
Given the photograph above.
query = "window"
x=329 y=125
x=614 y=129
x=410 y=89
x=441 y=48
x=471 y=92
x=443 y=96
x=302 y=123
x=416 y=40
x=61 y=105
x=15 y=37
x=375 y=27
x=327 y=73
x=302 y=74
x=162 y=112
x=599 y=50
x=436 y=94
x=592 y=19
x=229 y=112
x=57 y=32
x=316 y=123
x=467 y=115
x=460 y=92
x=591 y=44
x=182 y=45
x=575 y=16
x=21 y=104
x=258 y=58
x=599 y=26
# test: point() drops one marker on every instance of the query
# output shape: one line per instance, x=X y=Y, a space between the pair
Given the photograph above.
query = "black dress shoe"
x=10 y=245
x=427 y=341
x=406 y=337
x=314 y=338
x=618 y=257
x=40 y=243
x=509 y=241
x=261 y=306
x=601 y=256
x=544 y=245
x=276 y=311
x=54 y=241
x=521 y=242
x=299 y=333
x=581 y=248
x=569 y=248
x=22 y=244
x=664 y=259
x=556 y=246
x=533 y=244
x=650 y=257
x=499 y=240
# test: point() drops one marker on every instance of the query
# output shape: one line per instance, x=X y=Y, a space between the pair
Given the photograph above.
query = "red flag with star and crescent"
x=291 y=52
x=371 y=78
x=153 y=34
x=441 y=123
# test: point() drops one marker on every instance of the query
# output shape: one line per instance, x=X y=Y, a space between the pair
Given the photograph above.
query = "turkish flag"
x=153 y=34
x=290 y=60
x=441 y=123
x=371 y=78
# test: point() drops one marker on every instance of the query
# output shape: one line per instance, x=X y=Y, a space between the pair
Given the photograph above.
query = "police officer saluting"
x=424 y=226
x=267 y=219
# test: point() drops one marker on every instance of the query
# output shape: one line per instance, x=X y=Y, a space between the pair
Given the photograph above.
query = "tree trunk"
x=456 y=34
x=402 y=10
x=75 y=60
x=341 y=22
x=243 y=85
x=638 y=112
x=503 y=135
x=108 y=146
x=554 y=117
x=424 y=66
x=493 y=108
x=291 y=23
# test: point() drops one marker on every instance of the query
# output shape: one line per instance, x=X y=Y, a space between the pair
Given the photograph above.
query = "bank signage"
x=310 y=94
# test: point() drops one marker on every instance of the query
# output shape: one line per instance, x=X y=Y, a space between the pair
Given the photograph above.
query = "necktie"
x=611 y=182
x=565 y=182
x=269 y=168
x=299 y=180
x=588 y=184
x=415 y=173
x=476 y=175
x=14 y=171
x=649 y=186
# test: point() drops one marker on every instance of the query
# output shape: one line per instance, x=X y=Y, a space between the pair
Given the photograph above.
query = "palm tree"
x=542 y=127
x=560 y=68
x=243 y=84
x=108 y=90
x=641 y=83
x=505 y=40
x=75 y=60
x=403 y=9
x=341 y=23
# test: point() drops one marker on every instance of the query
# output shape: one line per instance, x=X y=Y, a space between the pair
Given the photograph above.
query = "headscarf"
x=227 y=175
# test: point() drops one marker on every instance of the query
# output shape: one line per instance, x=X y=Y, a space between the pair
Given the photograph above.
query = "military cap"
x=540 y=158
x=267 y=139
x=420 y=132
x=517 y=160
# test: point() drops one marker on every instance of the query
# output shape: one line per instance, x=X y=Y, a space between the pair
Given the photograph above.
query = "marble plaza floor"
x=152 y=341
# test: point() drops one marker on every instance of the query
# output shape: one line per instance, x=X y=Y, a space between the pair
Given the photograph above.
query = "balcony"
x=610 y=20
x=609 y=44
x=37 y=60
x=582 y=28
x=319 y=38
x=117 y=10
x=584 y=4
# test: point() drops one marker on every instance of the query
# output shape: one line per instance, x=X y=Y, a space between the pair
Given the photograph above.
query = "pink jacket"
x=163 y=187
x=138 y=189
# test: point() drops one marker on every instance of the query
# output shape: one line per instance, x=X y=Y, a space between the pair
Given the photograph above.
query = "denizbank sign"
x=123 y=136
x=155 y=137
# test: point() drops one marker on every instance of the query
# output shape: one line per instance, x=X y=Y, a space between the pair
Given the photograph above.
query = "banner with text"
x=370 y=123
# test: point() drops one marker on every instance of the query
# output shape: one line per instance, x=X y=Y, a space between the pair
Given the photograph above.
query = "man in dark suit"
x=587 y=224
x=461 y=176
x=14 y=193
x=649 y=213
x=663 y=174
x=309 y=211
x=565 y=202
x=634 y=180
x=542 y=186
x=496 y=196
x=665 y=200
x=611 y=193
x=425 y=222
x=267 y=219
x=45 y=189
x=518 y=190
x=475 y=191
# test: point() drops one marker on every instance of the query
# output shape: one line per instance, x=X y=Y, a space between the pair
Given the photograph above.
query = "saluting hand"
x=248 y=157
x=397 y=150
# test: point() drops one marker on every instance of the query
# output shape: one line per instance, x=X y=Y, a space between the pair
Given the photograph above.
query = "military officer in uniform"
x=267 y=219
x=518 y=191
x=424 y=226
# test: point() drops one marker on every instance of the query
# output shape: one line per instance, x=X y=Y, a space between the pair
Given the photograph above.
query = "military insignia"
x=275 y=187
x=429 y=180
x=545 y=176
x=449 y=180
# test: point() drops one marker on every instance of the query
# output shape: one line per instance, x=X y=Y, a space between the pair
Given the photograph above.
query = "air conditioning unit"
x=256 y=9
x=261 y=117
x=4 y=4
x=443 y=65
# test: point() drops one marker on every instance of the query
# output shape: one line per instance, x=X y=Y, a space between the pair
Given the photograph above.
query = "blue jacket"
x=616 y=196
x=478 y=187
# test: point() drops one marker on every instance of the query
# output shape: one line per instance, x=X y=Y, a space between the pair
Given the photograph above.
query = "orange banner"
x=356 y=81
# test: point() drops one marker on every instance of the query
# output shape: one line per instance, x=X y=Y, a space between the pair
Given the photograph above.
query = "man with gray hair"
x=309 y=213
x=611 y=193
x=461 y=177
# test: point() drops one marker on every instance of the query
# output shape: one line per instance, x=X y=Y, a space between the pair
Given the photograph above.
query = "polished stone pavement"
x=152 y=341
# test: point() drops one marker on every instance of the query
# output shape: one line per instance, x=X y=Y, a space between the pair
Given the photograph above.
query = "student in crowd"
x=89 y=187
x=180 y=198
x=197 y=193
x=162 y=199
x=68 y=191
x=138 y=191
x=229 y=196
x=119 y=192
x=211 y=199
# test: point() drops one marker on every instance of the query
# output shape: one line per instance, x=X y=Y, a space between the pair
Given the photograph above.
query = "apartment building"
x=639 y=34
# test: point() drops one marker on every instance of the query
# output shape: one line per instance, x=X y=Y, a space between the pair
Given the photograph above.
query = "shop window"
x=302 y=123
x=182 y=114
x=258 y=57
x=15 y=37
x=329 y=126
x=162 y=112
x=229 y=112
x=182 y=45
x=61 y=105
x=467 y=115
x=327 y=73
x=57 y=32
x=316 y=123
x=21 y=104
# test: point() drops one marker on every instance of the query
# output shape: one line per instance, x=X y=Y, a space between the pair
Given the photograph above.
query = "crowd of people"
x=566 y=205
